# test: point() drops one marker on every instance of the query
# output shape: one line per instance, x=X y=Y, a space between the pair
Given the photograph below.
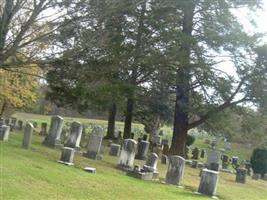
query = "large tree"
x=211 y=38
x=24 y=26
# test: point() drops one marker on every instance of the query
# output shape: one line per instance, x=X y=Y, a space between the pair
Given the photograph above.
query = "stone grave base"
x=124 y=168
x=65 y=163
x=93 y=156
x=227 y=171
x=146 y=176
x=90 y=170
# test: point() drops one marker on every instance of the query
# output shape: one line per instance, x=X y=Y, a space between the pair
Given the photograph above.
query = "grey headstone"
x=208 y=182
x=54 y=134
x=152 y=161
x=20 y=125
x=225 y=161
x=235 y=160
x=2 y=121
x=28 y=132
x=114 y=149
x=7 y=121
x=194 y=164
x=127 y=154
x=241 y=175
x=43 y=131
x=156 y=139
x=94 y=145
x=164 y=159
x=4 y=132
x=75 y=135
x=202 y=153
x=195 y=153
x=213 y=157
x=175 y=170
x=142 y=150
x=67 y=156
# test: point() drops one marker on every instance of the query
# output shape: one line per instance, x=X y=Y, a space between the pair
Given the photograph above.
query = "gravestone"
x=7 y=121
x=156 y=139
x=28 y=132
x=151 y=165
x=213 y=158
x=54 y=134
x=175 y=170
x=75 y=136
x=43 y=131
x=194 y=164
x=145 y=137
x=195 y=153
x=90 y=170
x=165 y=149
x=2 y=121
x=164 y=159
x=114 y=149
x=94 y=144
x=208 y=182
x=142 y=149
x=225 y=161
x=13 y=123
x=241 y=175
x=4 y=132
x=127 y=154
x=235 y=160
x=67 y=156
x=35 y=124
x=202 y=153
x=20 y=125
x=214 y=167
x=164 y=141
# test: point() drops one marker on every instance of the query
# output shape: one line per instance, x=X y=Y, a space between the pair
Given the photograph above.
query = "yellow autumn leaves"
x=18 y=87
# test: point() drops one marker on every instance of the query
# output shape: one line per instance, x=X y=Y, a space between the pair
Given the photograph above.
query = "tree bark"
x=3 y=109
x=128 y=119
x=181 y=115
x=111 y=121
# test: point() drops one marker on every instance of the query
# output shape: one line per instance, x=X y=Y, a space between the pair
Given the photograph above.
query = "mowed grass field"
x=35 y=174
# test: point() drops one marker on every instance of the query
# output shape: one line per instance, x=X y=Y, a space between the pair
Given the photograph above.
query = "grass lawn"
x=34 y=174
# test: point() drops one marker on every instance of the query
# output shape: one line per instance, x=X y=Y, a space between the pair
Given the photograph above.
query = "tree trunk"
x=111 y=121
x=181 y=115
x=3 y=109
x=180 y=125
x=128 y=119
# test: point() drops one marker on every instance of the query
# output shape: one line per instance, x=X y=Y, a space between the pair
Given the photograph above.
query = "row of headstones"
x=175 y=171
x=127 y=154
x=28 y=132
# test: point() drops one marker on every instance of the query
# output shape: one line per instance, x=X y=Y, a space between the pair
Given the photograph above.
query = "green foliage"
x=259 y=161
x=190 y=139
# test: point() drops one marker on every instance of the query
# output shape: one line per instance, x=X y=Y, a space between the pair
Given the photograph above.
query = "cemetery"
x=133 y=100
x=68 y=172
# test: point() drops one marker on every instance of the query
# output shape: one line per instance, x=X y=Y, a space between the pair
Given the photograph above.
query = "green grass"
x=35 y=174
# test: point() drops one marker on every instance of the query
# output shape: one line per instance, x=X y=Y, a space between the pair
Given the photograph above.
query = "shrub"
x=190 y=140
x=259 y=160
